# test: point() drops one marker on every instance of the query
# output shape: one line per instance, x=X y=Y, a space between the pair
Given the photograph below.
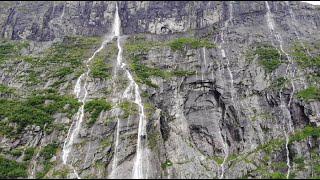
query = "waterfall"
x=282 y=106
x=223 y=54
x=131 y=92
x=81 y=93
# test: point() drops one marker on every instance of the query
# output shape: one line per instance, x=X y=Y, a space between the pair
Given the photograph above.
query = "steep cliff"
x=159 y=89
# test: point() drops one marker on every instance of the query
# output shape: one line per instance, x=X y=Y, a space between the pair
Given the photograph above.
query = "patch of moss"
x=129 y=108
x=11 y=49
x=166 y=164
x=100 y=69
x=95 y=107
x=49 y=151
x=6 y=90
x=217 y=159
x=309 y=94
x=10 y=169
x=153 y=139
x=304 y=60
x=279 y=83
x=269 y=57
x=277 y=175
x=37 y=109
x=28 y=153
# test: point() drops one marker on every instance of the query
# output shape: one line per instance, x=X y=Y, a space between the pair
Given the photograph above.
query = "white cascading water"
x=294 y=20
x=81 y=93
x=282 y=106
x=223 y=54
x=132 y=91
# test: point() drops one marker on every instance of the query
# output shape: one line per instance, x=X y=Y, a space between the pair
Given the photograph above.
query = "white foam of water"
x=81 y=93
x=282 y=106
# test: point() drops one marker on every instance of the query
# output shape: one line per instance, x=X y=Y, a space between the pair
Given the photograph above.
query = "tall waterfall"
x=131 y=93
x=224 y=56
x=81 y=93
x=282 y=106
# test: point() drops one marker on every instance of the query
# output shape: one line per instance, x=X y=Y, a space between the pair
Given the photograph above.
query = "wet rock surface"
x=212 y=111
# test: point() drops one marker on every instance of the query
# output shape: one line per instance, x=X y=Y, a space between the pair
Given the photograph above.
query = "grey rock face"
x=225 y=120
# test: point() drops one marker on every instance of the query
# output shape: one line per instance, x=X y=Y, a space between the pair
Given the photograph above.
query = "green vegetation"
x=95 y=107
x=166 y=164
x=61 y=59
x=129 y=108
x=28 y=153
x=16 y=152
x=11 y=49
x=140 y=45
x=49 y=151
x=306 y=132
x=269 y=57
x=36 y=109
x=300 y=55
x=309 y=94
x=137 y=46
x=100 y=69
x=149 y=109
x=262 y=116
x=62 y=72
x=71 y=51
x=181 y=43
x=5 y=89
x=153 y=139
x=279 y=83
x=277 y=175
x=10 y=169
x=217 y=159
x=143 y=72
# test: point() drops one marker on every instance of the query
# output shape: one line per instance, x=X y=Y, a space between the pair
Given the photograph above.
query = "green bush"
x=144 y=72
x=10 y=169
x=28 y=154
x=129 y=108
x=95 y=107
x=306 y=132
x=100 y=69
x=16 y=152
x=11 y=49
x=166 y=164
x=49 y=151
x=5 y=89
x=277 y=175
x=309 y=94
x=71 y=50
x=303 y=59
x=34 y=110
x=269 y=57
x=62 y=72
x=279 y=83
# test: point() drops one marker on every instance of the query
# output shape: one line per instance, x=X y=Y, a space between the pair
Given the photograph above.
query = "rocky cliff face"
x=228 y=90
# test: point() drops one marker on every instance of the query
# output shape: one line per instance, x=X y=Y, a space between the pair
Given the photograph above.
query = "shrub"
x=28 y=153
x=309 y=94
x=34 y=110
x=100 y=69
x=129 y=108
x=10 y=169
x=49 y=151
x=269 y=57
x=166 y=164
x=95 y=107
